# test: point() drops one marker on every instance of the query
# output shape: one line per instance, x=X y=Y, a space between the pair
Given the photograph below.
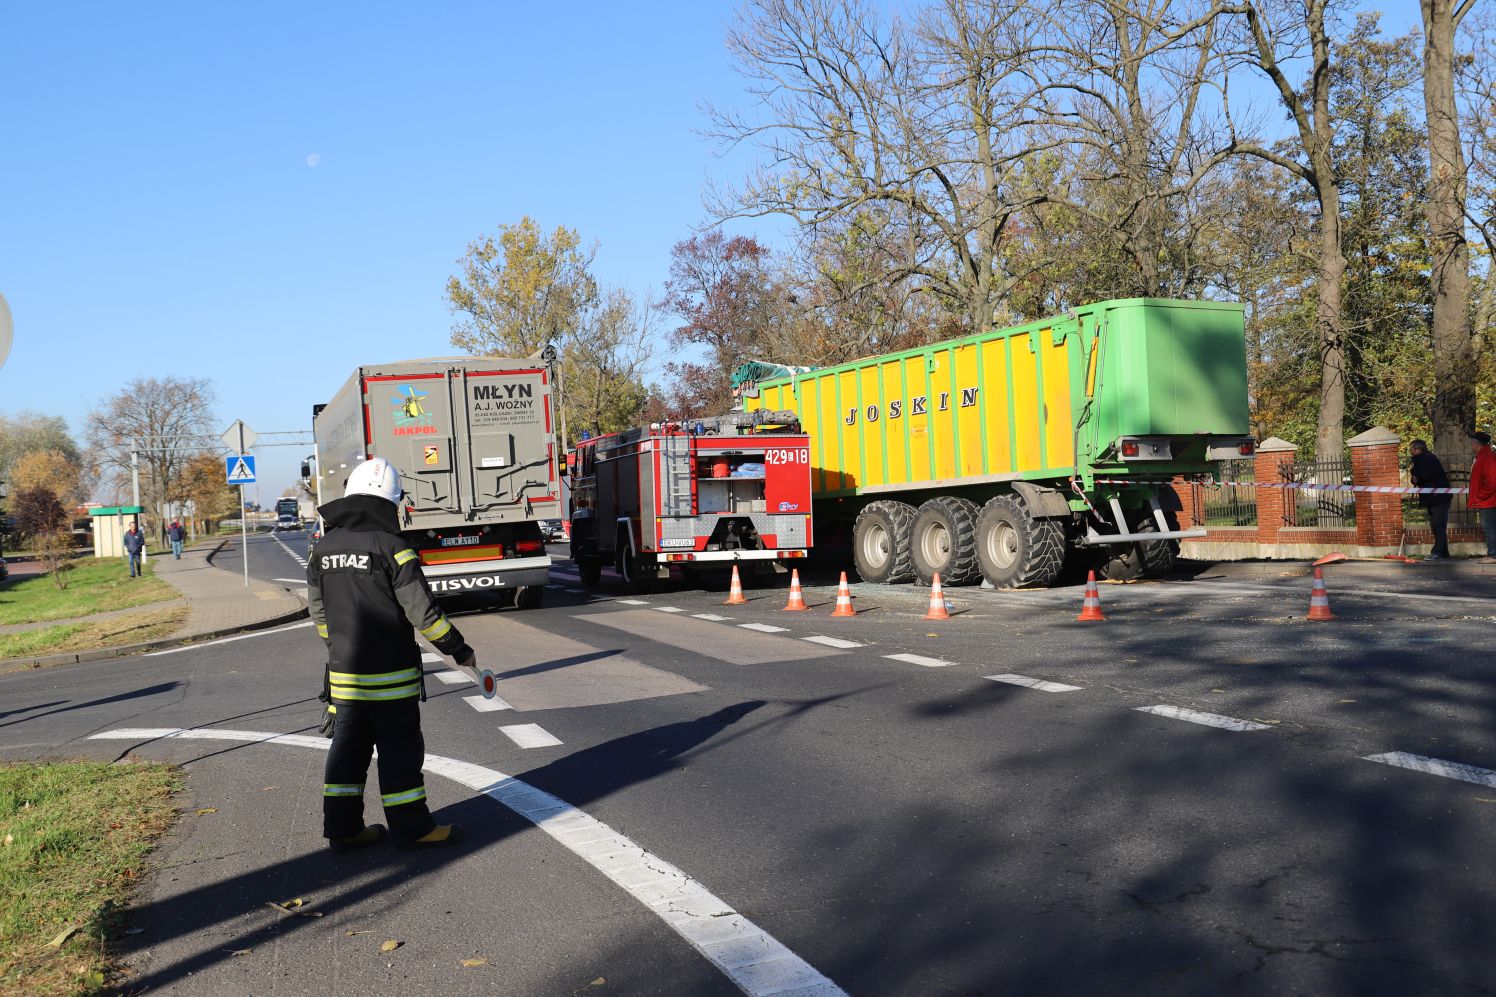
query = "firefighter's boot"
x=372 y=834
x=438 y=837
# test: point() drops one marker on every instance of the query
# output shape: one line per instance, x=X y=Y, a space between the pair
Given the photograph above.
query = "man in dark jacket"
x=367 y=594
x=134 y=546
x=1425 y=471
x=176 y=533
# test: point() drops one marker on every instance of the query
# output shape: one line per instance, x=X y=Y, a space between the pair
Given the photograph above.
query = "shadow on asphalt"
x=150 y=690
x=580 y=779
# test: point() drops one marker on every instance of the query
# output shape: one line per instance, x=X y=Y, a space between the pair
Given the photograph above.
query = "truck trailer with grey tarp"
x=474 y=441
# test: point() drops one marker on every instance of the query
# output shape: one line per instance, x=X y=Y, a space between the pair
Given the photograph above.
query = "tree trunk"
x=1454 y=369
x=1329 y=432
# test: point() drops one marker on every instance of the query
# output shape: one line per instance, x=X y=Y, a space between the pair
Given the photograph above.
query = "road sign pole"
x=244 y=534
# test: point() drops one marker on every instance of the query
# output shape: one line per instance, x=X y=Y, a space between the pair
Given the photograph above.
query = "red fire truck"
x=690 y=495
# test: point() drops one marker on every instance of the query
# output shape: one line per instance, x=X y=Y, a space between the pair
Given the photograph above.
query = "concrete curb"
x=126 y=650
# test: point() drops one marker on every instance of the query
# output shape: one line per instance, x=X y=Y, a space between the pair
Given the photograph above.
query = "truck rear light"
x=680 y=557
x=1246 y=449
x=791 y=553
x=529 y=547
x=1129 y=448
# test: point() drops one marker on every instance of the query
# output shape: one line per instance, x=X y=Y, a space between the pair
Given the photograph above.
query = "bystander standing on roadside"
x=1483 y=491
x=176 y=533
x=1425 y=471
x=134 y=546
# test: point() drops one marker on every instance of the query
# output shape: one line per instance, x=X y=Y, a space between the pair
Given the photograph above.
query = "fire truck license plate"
x=459 y=541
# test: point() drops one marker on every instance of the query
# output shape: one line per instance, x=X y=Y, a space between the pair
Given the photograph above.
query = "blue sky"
x=160 y=213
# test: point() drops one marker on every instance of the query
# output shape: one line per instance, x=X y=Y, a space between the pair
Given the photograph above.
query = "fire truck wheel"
x=943 y=541
x=1016 y=550
x=880 y=542
x=591 y=571
x=528 y=596
x=635 y=580
x=503 y=598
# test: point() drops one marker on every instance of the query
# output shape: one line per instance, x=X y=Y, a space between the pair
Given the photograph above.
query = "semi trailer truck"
x=1007 y=454
x=475 y=444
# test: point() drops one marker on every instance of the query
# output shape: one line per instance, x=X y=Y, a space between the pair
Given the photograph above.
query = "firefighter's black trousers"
x=394 y=728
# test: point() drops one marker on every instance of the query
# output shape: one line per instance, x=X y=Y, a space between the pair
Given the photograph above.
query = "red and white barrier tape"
x=1308 y=487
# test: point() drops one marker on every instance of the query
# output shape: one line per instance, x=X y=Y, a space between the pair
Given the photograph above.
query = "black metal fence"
x=1322 y=509
x=1234 y=503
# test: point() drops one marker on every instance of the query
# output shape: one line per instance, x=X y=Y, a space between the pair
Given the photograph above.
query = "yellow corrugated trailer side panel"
x=991 y=406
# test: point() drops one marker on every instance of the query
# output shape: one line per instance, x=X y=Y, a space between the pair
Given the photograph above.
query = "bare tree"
x=1477 y=80
x=1454 y=373
x=929 y=122
x=1279 y=33
x=156 y=418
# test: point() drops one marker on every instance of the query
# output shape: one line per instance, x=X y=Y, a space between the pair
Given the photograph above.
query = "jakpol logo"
x=411 y=417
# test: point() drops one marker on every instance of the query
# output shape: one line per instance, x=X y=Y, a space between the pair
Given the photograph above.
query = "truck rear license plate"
x=459 y=541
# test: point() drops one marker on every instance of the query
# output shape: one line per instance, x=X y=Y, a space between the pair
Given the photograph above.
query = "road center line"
x=633 y=602
x=453 y=678
x=530 y=736
x=226 y=640
x=1196 y=717
x=1436 y=766
x=485 y=705
x=845 y=645
x=746 y=954
x=1039 y=684
x=920 y=659
x=764 y=628
x=711 y=617
x=669 y=609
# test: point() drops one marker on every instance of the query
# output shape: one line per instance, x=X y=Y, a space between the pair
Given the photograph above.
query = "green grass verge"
x=95 y=585
x=72 y=839
x=132 y=628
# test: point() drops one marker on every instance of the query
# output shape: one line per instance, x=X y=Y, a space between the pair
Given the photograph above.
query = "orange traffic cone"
x=844 y=599
x=735 y=594
x=1319 y=599
x=937 y=601
x=797 y=598
x=1090 y=609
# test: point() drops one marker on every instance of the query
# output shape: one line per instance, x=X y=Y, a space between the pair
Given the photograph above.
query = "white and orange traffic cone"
x=938 y=609
x=1319 y=598
x=735 y=594
x=1090 y=610
x=797 y=598
x=844 y=599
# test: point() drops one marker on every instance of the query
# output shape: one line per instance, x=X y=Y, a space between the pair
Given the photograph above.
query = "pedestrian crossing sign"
x=239 y=470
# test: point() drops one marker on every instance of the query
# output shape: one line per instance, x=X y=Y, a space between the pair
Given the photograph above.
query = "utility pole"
x=135 y=496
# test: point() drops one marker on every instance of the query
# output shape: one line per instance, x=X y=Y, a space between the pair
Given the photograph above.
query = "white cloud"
x=314 y=159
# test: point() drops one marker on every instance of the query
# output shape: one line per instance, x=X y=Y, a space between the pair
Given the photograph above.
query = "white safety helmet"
x=375 y=476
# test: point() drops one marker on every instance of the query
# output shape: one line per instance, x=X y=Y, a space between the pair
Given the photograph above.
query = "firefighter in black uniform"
x=367 y=592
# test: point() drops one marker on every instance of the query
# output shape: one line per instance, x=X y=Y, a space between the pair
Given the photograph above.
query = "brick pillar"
x=1379 y=519
x=1191 y=503
x=1272 y=454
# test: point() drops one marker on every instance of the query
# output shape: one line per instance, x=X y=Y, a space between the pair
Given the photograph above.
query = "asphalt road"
x=863 y=794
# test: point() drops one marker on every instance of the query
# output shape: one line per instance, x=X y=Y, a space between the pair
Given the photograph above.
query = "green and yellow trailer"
x=1003 y=454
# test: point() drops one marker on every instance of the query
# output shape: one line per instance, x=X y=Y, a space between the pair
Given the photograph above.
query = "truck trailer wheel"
x=590 y=570
x=1144 y=559
x=880 y=542
x=943 y=541
x=1016 y=550
x=528 y=596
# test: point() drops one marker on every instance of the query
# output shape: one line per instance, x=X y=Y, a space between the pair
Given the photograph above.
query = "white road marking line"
x=483 y=705
x=530 y=736
x=290 y=581
x=431 y=659
x=1196 y=717
x=1436 y=766
x=711 y=617
x=576 y=591
x=1039 y=684
x=746 y=954
x=668 y=609
x=920 y=659
x=294 y=556
x=225 y=640
x=633 y=602
x=764 y=628
x=454 y=678
x=834 y=642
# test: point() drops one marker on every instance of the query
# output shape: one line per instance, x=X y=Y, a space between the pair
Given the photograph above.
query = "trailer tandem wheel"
x=943 y=541
x=880 y=542
x=1016 y=550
